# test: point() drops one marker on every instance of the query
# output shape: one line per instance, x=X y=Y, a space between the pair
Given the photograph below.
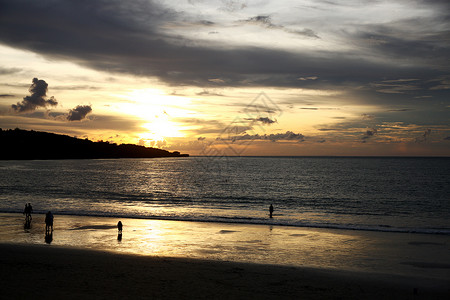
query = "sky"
x=229 y=77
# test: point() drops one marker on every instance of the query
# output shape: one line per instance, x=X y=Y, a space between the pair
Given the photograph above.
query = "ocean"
x=355 y=193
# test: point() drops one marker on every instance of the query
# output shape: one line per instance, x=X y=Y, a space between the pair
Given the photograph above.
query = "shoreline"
x=43 y=271
x=273 y=222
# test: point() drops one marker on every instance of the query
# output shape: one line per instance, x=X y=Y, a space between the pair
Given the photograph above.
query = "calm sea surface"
x=380 y=194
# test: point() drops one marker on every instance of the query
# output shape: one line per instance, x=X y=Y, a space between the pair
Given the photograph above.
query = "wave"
x=254 y=221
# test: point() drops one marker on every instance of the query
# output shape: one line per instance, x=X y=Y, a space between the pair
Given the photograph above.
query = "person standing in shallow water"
x=119 y=227
x=48 y=223
x=27 y=211
x=270 y=210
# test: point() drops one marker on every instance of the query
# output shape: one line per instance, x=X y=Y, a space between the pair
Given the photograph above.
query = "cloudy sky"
x=214 y=77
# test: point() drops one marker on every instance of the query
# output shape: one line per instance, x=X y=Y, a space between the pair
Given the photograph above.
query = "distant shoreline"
x=35 y=145
x=326 y=156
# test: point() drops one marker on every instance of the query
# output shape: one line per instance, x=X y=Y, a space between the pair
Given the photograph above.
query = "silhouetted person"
x=48 y=223
x=27 y=212
x=270 y=210
x=119 y=228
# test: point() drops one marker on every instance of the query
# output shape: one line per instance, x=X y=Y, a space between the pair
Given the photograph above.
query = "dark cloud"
x=369 y=134
x=424 y=137
x=287 y=136
x=409 y=38
x=208 y=93
x=263 y=120
x=79 y=112
x=206 y=23
x=367 y=117
x=400 y=110
x=266 y=21
x=6 y=96
x=400 y=86
x=234 y=129
x=38 y=98
x=266 y=120
x=447 y=138
x=76 y=88
x=257 y=109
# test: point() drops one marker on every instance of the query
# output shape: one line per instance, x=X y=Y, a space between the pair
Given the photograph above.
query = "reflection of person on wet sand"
x=27 y=212
x=48 y=222
x=270 y=210
x=27 y=224
x=48 y=237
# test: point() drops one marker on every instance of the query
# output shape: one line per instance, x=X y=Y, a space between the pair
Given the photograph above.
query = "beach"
x=173 y=259
x=66 y=273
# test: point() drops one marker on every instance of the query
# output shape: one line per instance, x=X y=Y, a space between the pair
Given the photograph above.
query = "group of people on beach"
x=48 y=218
x=27 y=211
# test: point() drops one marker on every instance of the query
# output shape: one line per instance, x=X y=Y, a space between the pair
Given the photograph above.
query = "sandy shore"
x=193 y=260
x=42 y=271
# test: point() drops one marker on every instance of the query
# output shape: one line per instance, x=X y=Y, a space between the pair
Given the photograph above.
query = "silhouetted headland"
x=24 y=144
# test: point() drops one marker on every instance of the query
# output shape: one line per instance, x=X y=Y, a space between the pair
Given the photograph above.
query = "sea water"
x=376 y=194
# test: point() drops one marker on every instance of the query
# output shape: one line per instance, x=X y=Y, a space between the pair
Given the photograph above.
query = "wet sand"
x=39 y=271
x=174 y=259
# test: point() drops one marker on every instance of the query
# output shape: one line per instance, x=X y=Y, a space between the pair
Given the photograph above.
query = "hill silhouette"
x=24 y=144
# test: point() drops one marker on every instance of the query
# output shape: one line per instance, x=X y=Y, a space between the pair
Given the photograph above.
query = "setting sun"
x=156 y=110
x=159 y=129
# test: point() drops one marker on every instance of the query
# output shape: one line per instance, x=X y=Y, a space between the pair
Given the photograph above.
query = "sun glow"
x=160 y=129
x=157 y=110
